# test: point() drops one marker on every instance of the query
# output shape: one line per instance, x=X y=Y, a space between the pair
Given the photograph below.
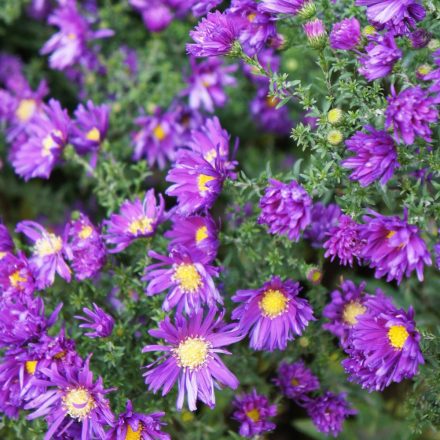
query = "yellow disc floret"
x=133 y=435
x=351 y=312
x=85 y=232
x=25 y=109
x=202 y=180
x=31 y=366
x=201 y=234
x=49 y=244
x=274 y=303
x=93 y=135
x=192 y=353
x=334 y=137
x=397 y=335
x=188 y=277
x=78 y=403
x=159 y=133
x=15 y=279
x=253 y=414
x=49 y=143
x=141 y=225
x=334 y=116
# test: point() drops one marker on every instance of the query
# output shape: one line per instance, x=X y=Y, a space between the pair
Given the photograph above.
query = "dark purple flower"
x=393 y=247
x=216 y=34
x=273 y=314
x=40 y=9
x=437 y=255
x=196 y=233
x=285 y=208
x=100 y=323
x=345 y=34
x=323 y=218
x=192 y=347
x=383 y=345
x=290 y=7
x=135 y=220
x=296 y=380
x=202 y=7
x=375 y=156
x=16 y=277
x=344 y=241
x=253 y=412
x=381 y=55
x=434 y=75
x=420 y=38
x=72 y=397
x=329 y=411
x=47 y=255
x=6 y=243
x=409 y=114
x=188 y=281
x=136 y=426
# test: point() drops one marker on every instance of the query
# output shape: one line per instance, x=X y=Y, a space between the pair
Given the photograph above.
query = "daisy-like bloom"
x=100 y=323
x=216 y=34
x=285 y=208
x=381 y=55
x=15 y=276
x=72 y=398
x=344 y=241
x=90 y=128
x=290 y=7
x=207 y=82
x=202 y=7
x=136 y=426
x=375 y=156
x=315 y=33
x=296 y=380
x=253 y=411
x=70 y=44
x=188 y=281
x=196 y=233
x=192 y=347
x=47 y=255
x=157 y=139
x=347 y=304
x=409 y=114
x=393 y=247
x=156 y=14
x=322 y=220
x=384 y=345
x=47 y=135
x=420 y=38
x=329 y=411
x=84 y=247
x=345 y=34
x=273 y=314
x=135 y=220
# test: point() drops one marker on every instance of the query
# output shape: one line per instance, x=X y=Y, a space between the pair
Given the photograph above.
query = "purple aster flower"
x=202 y=7
x=90 y=128
x=384 y=345
x=6 y=243
x=207 y=82
x=315 y=33
x=273 y=314
x=375 y=156
x=84 y=247
x=434 y=75
x=285 y=208
x=267 y=116
x=188 y=281
x=215 y=35
x=399 y=16
x=135 y=426
x=253 y=412
x=39 y=9
x=329 y=411
x=344 y=241
x=290 y=7
x=323 y=218
x=296 y=380
x=196 y=233
x=157 y=139
x=16 y=277
x=420 y=38
x=70 y=44
x=382 y=54
x=156 y=14
x=191 y=358
x=409 y=114
x=393 y=247
x=437 y=255
x=347 y=304
x=135 y=220
x=72 y=398
x=345 y=34
x=47 y=133
x=100 y=323
x=47 y=256
x=269 y=60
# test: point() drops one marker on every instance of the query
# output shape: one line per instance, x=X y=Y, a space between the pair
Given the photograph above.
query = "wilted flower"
x=345 y=34
x=99 y=322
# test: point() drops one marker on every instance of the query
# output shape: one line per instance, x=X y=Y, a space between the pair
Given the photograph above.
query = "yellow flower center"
x=272 y=102
x=211 y=155
x=2 y=255
x=26 y=109
x=15 y=279
x=31 y=366
x=294 y=382
x=424 y=69
x=351 y=311
x=48 y=245
x=86 y=232
x=391 y=234
x=188 y=277
x=93 y=135
x=334 y=115
x=192 y=353
x=159 y=133
x=141 y=225
x=78 y=403
x=71 y=36
x=251 y=17
x=202 y=180
x=334 y=137
x=274 y=303
x=253 y=414
x=49 y=143
x=201 y=234
x=133 y=435
x=397 y=335
x=368 y=30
